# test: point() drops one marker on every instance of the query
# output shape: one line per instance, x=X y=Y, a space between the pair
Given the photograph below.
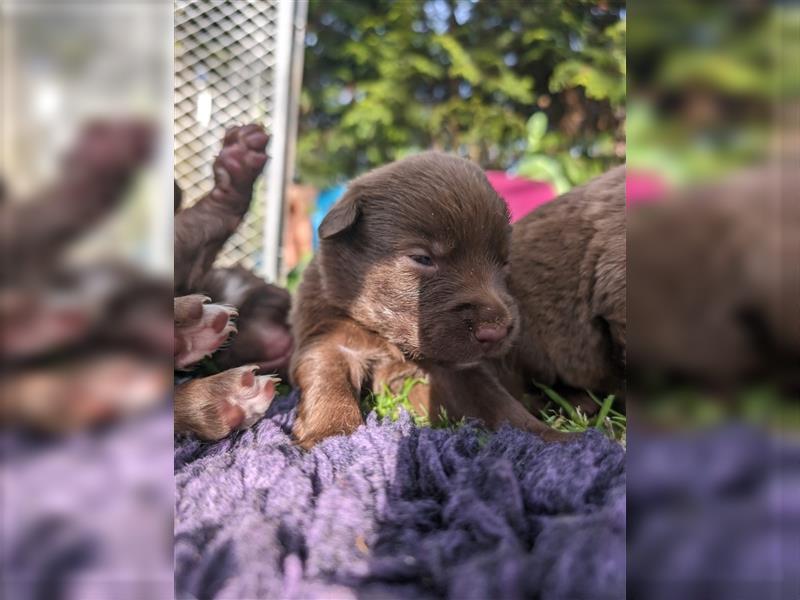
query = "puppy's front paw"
x=201 y=328
x=214 y=406
x=241 y=160
x=328 y=418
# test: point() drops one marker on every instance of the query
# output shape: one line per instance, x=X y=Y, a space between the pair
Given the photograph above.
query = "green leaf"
x=461 y=64
x=537 y=127
x=558 y=399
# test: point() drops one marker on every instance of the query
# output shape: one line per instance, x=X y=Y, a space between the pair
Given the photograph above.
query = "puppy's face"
x=417 y=252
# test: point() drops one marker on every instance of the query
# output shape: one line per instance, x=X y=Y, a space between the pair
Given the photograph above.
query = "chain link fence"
x=226 y=63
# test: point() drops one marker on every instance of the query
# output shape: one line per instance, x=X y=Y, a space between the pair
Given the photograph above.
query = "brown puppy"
x=410 y=280
x=568 y=277
x=211 y=407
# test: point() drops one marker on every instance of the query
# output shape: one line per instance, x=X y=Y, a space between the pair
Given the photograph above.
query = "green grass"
x=295 y=276
x=559 y=414
x=762 y=405
x=389 y=404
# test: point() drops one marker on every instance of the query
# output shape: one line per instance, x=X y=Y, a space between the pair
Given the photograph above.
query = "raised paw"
x=112 y=147
x=214 y=406
x=241 y=160
x=201 y=328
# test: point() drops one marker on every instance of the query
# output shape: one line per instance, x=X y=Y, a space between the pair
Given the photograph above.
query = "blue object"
x=325 y=200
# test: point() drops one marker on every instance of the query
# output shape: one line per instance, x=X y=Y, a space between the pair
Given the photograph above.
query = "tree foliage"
x=534 y=85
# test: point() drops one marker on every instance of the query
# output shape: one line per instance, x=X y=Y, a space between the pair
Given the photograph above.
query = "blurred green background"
x=705 y=90
x=535 y=87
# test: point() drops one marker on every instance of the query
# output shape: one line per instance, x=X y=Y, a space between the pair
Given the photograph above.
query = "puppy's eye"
x=422 y=259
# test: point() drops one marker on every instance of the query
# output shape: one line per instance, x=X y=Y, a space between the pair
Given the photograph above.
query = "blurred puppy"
x=714 y=284
x=410 y=280
x=82 y=343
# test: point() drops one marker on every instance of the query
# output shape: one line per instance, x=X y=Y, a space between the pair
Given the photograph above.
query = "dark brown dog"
x=410 y=280
x=568 y=276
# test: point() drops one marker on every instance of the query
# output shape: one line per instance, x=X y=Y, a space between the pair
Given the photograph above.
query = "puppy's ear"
x=341 y=217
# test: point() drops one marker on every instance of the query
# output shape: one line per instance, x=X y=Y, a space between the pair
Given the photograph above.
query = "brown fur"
x=263 y=336
x=200 y=407
x=367 y=314
x=714 y=283
x=568 y=276
x=94 y=177
x=214 y=406
x=203 y=228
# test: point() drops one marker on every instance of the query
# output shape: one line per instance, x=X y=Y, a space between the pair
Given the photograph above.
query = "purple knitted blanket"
x=399 y=511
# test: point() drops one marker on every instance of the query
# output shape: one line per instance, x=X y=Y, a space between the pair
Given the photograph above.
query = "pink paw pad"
x=252 y=398
x=201 y=337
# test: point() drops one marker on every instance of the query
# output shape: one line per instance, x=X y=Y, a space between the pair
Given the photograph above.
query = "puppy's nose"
x=491 y=333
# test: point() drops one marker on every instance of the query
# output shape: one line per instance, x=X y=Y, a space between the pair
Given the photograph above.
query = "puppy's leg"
x=202 y=229
x=330 y=373
x=95 y=174
x=477 y=393
x=81 y=393
x=200 y=328
x=214 y=406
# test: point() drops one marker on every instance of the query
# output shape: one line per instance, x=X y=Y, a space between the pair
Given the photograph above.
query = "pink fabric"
x=644 y=186
x=522 y=195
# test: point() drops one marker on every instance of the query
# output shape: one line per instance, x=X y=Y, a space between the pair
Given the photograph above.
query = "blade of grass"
x=601 y=416
x=611 y=411
x=556 y=397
